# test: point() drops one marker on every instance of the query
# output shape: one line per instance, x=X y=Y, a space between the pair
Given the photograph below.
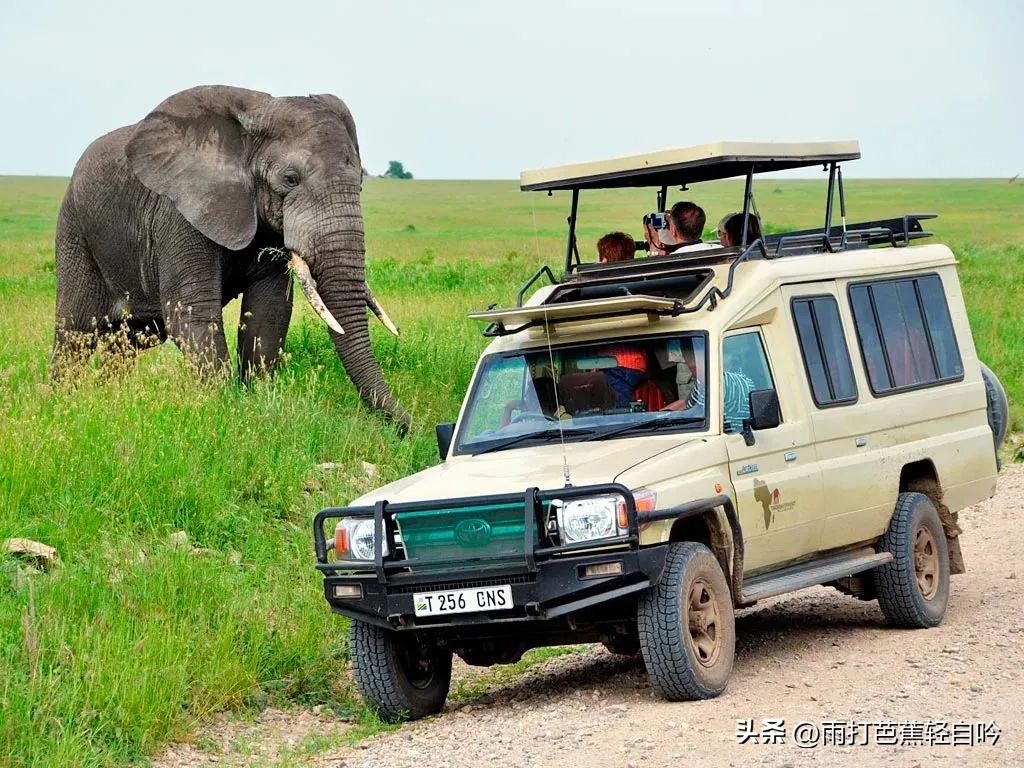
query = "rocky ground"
x=815 y=656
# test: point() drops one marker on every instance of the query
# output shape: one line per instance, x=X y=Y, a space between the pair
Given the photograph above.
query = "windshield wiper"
x=656 y=422
x=545 y=434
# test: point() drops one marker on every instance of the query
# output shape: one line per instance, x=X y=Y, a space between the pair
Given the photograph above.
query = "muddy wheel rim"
x=703 y=623
x=418 y=667
x=926 y=563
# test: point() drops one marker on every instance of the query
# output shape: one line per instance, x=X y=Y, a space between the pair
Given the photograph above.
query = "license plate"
x=463 y=600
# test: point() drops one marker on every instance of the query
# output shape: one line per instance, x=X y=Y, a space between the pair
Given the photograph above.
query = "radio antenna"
x=558 y=406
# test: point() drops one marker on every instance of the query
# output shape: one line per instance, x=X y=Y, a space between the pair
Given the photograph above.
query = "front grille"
x=459 y=533
x=446 y=586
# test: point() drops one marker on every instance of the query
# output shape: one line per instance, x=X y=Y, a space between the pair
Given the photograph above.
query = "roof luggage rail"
x=897 y=232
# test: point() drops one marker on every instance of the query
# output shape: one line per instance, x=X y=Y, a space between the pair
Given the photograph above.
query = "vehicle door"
x=777 y=479
x=852 y=468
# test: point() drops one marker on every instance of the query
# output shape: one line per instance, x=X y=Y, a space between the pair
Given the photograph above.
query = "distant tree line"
x=395 y=171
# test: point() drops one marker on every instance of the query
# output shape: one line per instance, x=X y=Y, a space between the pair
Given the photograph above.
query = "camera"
x=658 y=220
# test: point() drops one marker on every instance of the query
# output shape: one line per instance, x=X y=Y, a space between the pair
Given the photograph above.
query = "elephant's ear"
x=192 y=149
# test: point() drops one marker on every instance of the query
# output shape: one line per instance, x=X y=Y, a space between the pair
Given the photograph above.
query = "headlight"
x=586 y=519
x=353 y=539
x=599 y=517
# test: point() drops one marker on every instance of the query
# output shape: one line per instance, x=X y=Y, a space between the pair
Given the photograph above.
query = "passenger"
x=615 y=246
x=688 y=357
x=685 y=224
x=730 y=229
x=631 y=361
x=736 y=389
x=629 y=371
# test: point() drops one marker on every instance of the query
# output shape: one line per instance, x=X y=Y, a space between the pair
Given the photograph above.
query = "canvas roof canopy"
x=685 y=165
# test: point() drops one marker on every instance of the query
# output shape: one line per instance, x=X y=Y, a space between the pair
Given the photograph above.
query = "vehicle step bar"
x=811 y=574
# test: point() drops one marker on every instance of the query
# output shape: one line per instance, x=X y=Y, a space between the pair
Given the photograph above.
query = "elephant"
x=165 y=221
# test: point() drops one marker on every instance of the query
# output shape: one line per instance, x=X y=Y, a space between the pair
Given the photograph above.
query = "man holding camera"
x=685 y=225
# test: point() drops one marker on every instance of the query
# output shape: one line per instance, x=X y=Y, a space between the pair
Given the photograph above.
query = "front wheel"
x=913 y=589
x=687 y=629
x=396 y=675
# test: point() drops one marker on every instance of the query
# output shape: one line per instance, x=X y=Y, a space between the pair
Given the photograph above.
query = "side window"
x=905 y=333
x=823 y=346
x=744 y=369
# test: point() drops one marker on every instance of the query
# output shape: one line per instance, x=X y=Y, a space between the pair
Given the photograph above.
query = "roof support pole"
x=842 y=201
x=662 y=198
x=747 y=185
x=828 y=202
x=570 y=246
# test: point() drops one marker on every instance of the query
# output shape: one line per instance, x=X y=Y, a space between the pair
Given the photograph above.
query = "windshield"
x=586 y=392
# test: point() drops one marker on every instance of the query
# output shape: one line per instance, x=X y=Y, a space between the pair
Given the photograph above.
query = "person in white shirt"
x=685 y=225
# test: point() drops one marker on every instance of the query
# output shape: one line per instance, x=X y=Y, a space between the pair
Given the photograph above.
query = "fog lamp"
x=603 y=569
x=348 y=591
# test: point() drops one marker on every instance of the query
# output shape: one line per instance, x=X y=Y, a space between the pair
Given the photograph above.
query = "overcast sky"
x=483 y=89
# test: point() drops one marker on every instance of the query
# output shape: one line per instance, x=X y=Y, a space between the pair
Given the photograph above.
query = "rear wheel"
x=687 y=630
x=399 y=677
x=913 y=589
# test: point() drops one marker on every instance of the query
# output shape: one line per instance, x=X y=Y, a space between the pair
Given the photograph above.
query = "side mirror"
x=764 y=413
x=445 y=432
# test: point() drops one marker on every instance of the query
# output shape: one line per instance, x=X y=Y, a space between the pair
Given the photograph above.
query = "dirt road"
x=814 y=656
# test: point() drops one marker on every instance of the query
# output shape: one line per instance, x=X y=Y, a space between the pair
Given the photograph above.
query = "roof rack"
x=652 y=272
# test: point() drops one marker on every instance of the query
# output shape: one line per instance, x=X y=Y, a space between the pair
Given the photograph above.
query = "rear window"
x=905 y=333
x=823 y=346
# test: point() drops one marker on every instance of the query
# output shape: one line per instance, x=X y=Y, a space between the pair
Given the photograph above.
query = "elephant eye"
x=290 y=178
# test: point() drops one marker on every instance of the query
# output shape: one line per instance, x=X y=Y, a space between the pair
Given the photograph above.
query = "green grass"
x=133 y=641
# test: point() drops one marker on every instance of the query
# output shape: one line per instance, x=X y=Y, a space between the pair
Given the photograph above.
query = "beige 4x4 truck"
x=649 y=444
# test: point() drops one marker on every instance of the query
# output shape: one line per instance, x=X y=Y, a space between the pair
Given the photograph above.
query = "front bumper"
x=557 y=589
x=548 y=583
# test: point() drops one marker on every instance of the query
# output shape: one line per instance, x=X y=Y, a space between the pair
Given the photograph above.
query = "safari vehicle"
x=812 y=411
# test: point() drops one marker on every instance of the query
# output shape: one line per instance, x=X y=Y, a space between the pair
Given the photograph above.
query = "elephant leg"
x=190 y=289
x=263 y=324
x=83 y=300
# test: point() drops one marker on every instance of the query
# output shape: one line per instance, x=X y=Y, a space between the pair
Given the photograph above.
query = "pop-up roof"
x=685 y=165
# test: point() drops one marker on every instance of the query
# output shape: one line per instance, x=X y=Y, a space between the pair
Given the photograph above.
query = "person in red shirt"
x=631 y=361
x=629 y=372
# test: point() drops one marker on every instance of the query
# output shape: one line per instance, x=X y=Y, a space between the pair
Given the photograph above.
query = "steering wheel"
x=530 y=416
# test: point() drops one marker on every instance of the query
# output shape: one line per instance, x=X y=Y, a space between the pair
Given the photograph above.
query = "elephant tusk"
x=378 y=310
x=305 y=278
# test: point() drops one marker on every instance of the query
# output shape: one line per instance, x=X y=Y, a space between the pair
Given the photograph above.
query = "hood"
x=516 y=469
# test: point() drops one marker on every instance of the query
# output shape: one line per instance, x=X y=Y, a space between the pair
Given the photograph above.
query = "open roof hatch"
x=686 y=165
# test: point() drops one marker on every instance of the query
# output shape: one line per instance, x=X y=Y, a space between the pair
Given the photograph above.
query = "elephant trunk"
x=336 y=262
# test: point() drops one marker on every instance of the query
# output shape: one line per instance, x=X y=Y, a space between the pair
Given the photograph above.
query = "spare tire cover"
x=998 y=407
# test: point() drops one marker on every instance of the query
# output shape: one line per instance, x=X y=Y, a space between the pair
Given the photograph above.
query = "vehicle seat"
x=545 y=389
x=579 y=392
x=650 y=394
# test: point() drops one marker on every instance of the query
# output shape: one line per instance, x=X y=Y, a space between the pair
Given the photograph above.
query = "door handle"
x=861 y=442
x=790 y=456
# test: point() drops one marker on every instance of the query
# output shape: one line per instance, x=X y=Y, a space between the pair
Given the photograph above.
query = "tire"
x=684 y=664
x=396 y=675
x=998 y=406
x=913 y=589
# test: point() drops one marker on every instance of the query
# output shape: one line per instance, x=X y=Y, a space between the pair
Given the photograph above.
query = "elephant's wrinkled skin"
x=164 y=222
